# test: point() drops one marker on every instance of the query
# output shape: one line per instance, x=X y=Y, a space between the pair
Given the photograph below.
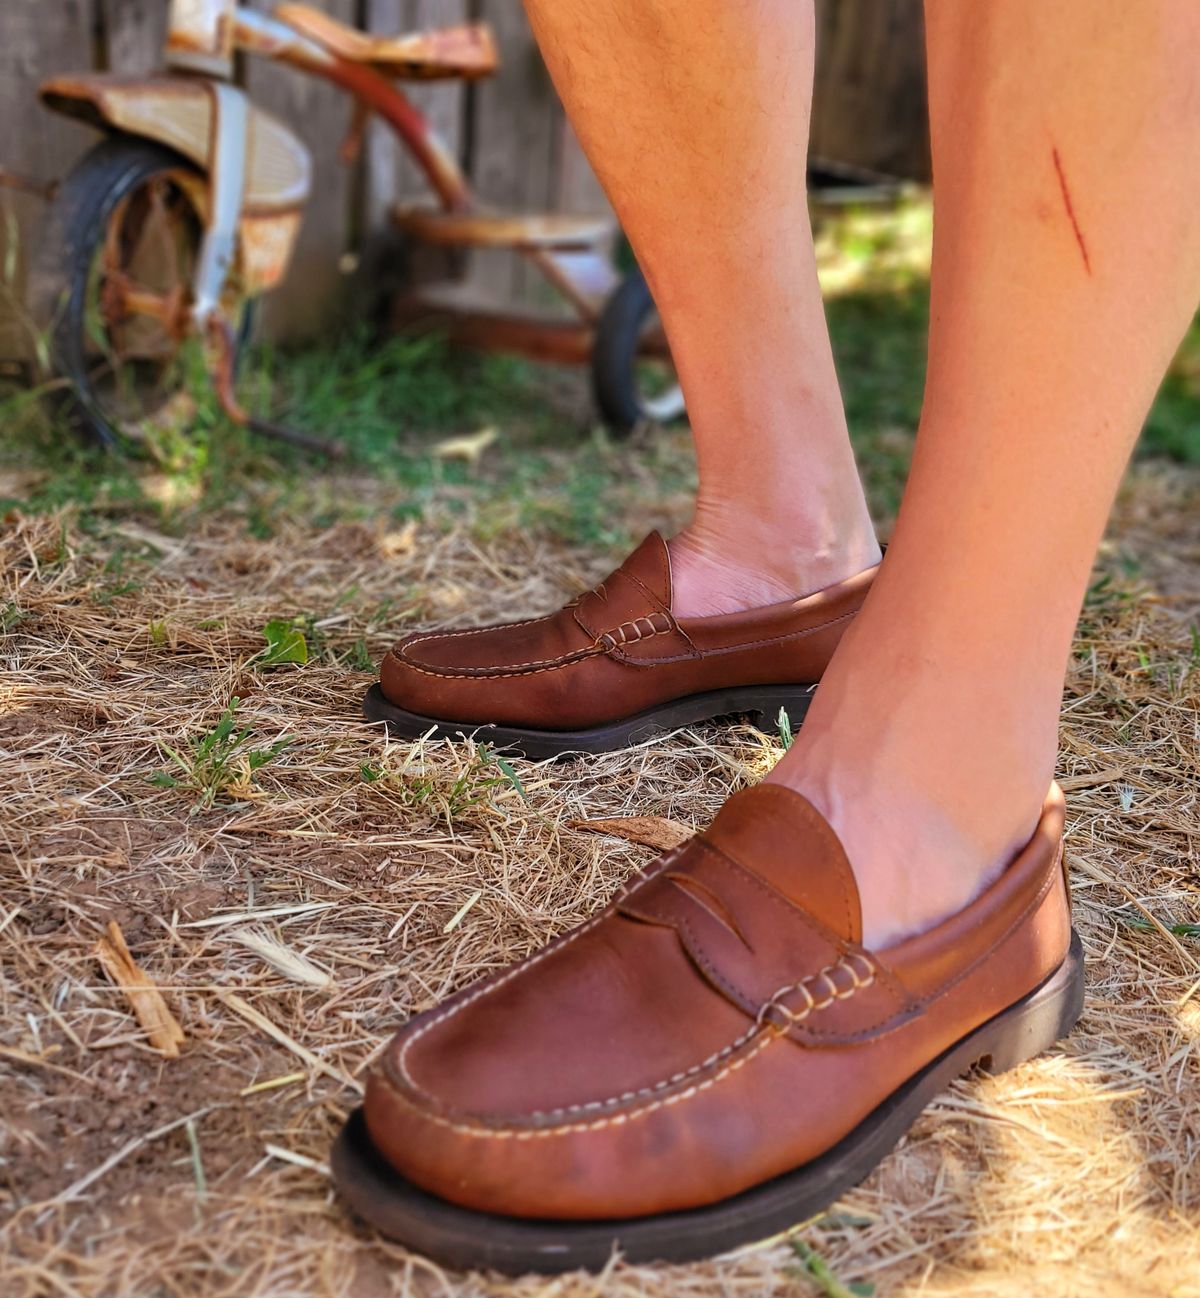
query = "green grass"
x=1173 y=428
x=218 y=762
x=449 y=797
x=551 y=470
x=392 y=405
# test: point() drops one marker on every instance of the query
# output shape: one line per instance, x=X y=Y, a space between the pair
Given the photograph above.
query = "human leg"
x=694 y=114
x=1066 y=148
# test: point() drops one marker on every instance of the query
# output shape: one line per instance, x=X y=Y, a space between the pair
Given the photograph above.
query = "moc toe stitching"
x=517 y=1127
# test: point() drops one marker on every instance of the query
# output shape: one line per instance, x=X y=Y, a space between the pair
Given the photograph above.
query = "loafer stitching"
x=509 y=669
x=459 y=633
x=890 y=1024
x=451 y=1010
x=605 y=643
x=764 y=1027
x=762 y=1020
x=755 y=644
x=646 y=1091
x=631 y=632
x=598 y=1124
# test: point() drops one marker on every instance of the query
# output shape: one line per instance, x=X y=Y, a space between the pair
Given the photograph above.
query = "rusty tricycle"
x=188 y=210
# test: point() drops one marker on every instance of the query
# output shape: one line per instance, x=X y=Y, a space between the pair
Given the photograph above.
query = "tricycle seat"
x=463 y=52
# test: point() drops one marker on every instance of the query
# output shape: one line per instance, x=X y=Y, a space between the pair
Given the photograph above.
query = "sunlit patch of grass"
x=873 y=247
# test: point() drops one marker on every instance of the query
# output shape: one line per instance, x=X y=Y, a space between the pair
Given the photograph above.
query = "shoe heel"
x=1043 y=1018
x=792 y=699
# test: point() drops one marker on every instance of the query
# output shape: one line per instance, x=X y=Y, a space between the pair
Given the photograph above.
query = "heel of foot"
x=1044 y=1018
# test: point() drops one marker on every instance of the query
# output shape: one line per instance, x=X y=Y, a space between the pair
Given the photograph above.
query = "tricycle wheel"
x=117 y=260
x=633 y=378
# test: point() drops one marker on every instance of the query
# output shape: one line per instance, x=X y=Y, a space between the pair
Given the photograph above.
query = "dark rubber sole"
x=460 y=1238
x=762 y=702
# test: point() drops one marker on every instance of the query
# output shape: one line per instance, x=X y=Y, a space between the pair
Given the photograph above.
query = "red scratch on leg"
x=1066 y=195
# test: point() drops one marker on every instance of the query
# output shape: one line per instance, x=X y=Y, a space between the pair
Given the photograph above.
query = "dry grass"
x=291 y=924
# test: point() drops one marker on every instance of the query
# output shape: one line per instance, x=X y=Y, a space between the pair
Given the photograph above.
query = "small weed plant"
x=446 y=795
x=218 y=763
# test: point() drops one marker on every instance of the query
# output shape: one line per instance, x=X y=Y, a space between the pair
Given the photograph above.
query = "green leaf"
x=359 y=656
x=1143 y=925
x=512 y=777
x=818 y=1270
x=261 y=756
x=784 y=722
x=285 y=644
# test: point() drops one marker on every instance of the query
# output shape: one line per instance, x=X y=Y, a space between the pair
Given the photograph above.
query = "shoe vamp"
x=618 y=1009
x=521 y=644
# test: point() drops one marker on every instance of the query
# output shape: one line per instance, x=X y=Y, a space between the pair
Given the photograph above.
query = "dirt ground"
x=346 y=882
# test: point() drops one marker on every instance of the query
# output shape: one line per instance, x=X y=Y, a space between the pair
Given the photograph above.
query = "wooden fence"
x=509 y=132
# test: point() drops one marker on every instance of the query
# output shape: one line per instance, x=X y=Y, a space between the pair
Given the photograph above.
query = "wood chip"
x=652 y=831
x=1072 y=783
x=160 y=1025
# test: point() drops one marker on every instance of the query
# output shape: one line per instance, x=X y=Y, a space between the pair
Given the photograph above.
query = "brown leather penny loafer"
x=614 y=667
x=712 y=1059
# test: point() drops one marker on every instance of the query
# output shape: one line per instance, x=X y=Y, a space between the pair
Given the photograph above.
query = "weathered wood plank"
x=869 y=97
x=515 y=128
x=319 y=113
x=134 y=34
x=37 y=39
x=391 y=176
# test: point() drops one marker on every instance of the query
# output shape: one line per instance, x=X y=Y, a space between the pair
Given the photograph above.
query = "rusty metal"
x=262 y=36
x=352 y=146
x=248 y=237
x=27 y=184
x=178 y=112
x=200 y=37
x=583 y=279
x=464 y=52
x=224 y=346
x=560 y=342
x=564 y=342
x=265 y=246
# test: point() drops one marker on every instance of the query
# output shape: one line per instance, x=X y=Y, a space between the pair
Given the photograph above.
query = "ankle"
x=932 y=800
x=724 y=562
x=919 y=853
